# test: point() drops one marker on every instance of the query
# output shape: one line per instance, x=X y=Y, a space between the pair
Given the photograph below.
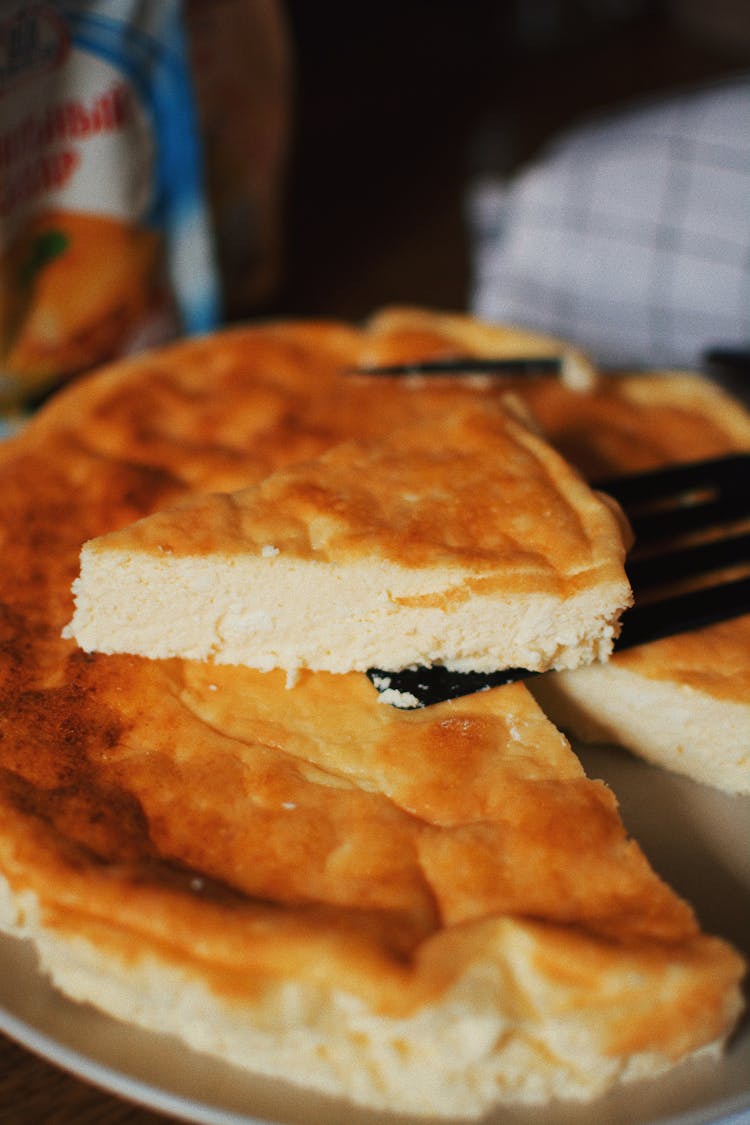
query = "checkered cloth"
x=630 y=236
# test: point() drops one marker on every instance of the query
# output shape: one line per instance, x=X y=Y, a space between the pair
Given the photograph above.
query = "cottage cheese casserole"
x=464 y=541
x=429 y=911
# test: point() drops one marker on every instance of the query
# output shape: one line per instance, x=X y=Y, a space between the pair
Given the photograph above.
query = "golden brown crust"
x=634 y=422
x=403 y=334
x=714 y=660
x=475 y=489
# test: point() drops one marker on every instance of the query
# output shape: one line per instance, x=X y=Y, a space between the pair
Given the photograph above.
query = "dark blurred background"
x=397 y=106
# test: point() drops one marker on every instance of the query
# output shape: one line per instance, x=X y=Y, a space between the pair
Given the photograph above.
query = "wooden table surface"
x=408 y=229
x=34 y=1092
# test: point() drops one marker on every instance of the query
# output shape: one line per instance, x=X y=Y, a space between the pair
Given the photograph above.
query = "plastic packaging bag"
x=105 y=233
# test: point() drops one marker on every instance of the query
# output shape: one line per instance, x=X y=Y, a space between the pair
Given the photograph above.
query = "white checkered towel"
x=630 y=235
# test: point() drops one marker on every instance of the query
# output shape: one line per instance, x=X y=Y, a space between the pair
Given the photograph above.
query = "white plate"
x=698 y=839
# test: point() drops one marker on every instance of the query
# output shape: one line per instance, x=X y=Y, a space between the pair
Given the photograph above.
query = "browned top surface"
x=241 y=828
x=640 y=421
x=475 y=491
